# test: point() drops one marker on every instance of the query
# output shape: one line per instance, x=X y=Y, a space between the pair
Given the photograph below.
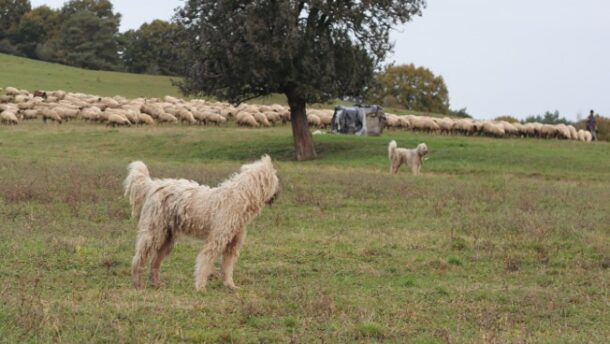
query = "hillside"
x=32 y=75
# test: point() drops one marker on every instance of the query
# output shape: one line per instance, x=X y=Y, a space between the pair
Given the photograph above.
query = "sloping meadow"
x=498 y=241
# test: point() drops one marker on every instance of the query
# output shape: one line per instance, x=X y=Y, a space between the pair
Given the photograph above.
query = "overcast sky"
x=517 y=57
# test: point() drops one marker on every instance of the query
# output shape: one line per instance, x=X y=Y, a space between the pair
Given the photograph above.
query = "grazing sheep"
x=313 y=120
x=168 y=208
x=492 y=129
x=411 y=157
x=9 y=117
x=11 y=91
x=145 y=119
x=214 y=118
x=573 y=132
x=29 y=114
x=563 y=132
x=166 y=118
x=49 y=114
x=185 y=116
x=446 y=125
x=391 y=120
x=115 y=120
x=245 y=119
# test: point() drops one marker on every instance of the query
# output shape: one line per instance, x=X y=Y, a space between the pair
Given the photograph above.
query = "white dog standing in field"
x=412 y=157
x=169 y=207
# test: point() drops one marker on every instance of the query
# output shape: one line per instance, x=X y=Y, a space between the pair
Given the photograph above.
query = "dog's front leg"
x=204 y=267
x=229 y=258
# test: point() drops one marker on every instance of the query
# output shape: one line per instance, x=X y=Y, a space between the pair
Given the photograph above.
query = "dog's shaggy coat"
x=218 y=216
x=411 y=157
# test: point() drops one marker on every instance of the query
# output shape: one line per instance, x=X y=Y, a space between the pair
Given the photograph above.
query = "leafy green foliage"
x=88 y=39
x=548 y=118
x=461 y=113
x=35 y=28
x=413 y=88
x=509 y=119
x=155 y=48
x=10 y=14
x=316 y=50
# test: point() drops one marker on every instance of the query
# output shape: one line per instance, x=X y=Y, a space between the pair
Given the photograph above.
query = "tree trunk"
x=303 y=142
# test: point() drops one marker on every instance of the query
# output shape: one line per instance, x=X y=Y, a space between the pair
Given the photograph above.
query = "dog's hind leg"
x=229 y=258
x=143 y=250
x=157 y=258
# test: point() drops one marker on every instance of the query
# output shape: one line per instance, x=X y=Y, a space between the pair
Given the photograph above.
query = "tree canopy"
x=311 y=51
x=412 y=88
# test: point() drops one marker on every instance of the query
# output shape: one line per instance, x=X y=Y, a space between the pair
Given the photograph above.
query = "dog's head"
x=422 y=149
x=265 y=179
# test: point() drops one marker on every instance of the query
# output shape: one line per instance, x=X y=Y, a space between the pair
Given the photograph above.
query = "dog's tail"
x=136 y=186
x=391 y=148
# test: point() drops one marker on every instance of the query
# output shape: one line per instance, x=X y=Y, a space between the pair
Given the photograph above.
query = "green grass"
x=499 y=241
x=34 y=75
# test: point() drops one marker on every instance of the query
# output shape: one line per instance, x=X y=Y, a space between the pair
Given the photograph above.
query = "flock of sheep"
x=59 y=106
x=467 y=126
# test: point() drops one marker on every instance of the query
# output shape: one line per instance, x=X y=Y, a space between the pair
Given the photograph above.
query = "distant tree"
x=11 y=12
x=155 y=48
x=413 y=88
x=102 y=9
x=462 y=113
x=509 y=119
x=34 y=29
x=88 y=36
x=310 y=50
x=547 y=118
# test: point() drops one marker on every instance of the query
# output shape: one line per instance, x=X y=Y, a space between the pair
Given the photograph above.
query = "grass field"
x=500 y=241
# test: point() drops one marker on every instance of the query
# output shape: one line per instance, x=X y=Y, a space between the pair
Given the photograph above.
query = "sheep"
x=245 y=119
x=153 y=110
x=391 y=120
x=585 y=136
x=66 y=113
x=404 y=122
x=272 y=116
x=49 y=114
x=29 y=114
x=21 y=98
x=117 y=120
x=424 y=124
x=573 y=132
x=185 y=116
x=90 y=113
x=492 y=129
x=6 y=99
x=11 y=91
x=446 y=125
x=314 y=120
x=8 y=117
x=166 y=118
x=215 y=118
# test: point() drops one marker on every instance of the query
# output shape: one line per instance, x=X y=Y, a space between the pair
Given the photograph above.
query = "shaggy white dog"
x=218 y=216
x=411 y=157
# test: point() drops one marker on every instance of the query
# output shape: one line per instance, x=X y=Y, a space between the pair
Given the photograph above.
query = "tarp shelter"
x=358 y=120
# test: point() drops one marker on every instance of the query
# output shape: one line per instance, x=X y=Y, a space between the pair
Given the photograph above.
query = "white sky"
x=517 y=57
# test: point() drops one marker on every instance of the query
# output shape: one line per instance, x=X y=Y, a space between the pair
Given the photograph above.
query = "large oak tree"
x=311 y=51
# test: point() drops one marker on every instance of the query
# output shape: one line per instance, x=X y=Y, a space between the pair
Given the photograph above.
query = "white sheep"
x=8 y=117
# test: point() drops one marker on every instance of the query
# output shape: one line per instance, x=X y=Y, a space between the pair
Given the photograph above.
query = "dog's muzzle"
x=273 y=198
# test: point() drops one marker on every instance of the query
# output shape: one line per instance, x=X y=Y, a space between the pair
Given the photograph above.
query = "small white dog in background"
x=412 y=157
x=168 y=208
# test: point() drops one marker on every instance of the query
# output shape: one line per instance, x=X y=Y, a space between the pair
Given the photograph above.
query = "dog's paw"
x=231 y=286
